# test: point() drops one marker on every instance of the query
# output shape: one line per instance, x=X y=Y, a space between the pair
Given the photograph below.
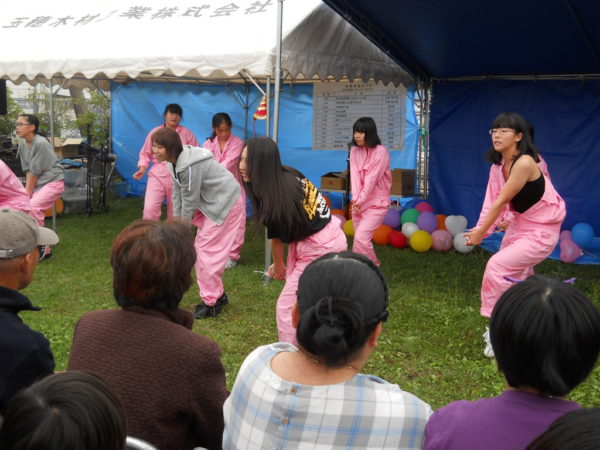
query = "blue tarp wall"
x=566 y=117
x=137 y=108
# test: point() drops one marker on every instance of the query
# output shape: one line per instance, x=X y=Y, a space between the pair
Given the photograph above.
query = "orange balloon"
x=441 y=220
x=382 y=235
x=327 y=200
x=339 y=212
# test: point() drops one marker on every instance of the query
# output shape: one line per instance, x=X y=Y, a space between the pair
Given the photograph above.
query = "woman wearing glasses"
x=519 y=189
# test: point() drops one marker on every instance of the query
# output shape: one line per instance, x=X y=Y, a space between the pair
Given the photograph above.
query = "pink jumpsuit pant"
x=527 y=242
x=365 y=223
x=240 y=232
x=300 y=254
x=44 y=198
x=212 y=246
x=159 y=187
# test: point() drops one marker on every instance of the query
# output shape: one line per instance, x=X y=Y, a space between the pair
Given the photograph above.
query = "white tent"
x=92 y=42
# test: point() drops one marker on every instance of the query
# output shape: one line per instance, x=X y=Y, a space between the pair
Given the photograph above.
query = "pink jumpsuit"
x=530 y=238
x=371 y=179
x=301 y=254
x=12 y=193
x=160 y=184
x=230 y=159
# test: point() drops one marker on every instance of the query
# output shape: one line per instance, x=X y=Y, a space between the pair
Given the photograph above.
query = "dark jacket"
x=25 y=354
x=170 y=379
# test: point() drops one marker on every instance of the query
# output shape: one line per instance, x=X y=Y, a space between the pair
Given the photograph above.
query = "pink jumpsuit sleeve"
x=378 y=163
x=146 y=151
x=187 y=137
x=494 y=186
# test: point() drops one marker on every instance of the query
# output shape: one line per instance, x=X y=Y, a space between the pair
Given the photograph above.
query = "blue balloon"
x=582 y=234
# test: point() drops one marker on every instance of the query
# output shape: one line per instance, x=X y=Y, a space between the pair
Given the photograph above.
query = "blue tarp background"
x=137 y=108
x=566 y=116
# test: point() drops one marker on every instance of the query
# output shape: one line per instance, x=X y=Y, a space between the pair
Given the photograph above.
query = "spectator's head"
x=152 y=263
x=577 y=430
x=342 y=298
x=65 y=411
x=19 y=253
x=546 y=335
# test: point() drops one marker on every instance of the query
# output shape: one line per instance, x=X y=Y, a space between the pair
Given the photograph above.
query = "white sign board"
x=337 y=105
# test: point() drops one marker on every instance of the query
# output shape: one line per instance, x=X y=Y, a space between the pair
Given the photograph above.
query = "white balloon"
x=460 y=244
x=456 y=224
x=409 y=228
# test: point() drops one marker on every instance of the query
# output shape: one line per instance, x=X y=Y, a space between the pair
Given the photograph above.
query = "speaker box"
x=3 y=99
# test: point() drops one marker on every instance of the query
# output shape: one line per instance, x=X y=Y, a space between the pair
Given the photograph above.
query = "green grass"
x=431 y=344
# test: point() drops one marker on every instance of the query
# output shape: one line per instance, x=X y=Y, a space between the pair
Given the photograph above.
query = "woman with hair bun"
x=314 y=395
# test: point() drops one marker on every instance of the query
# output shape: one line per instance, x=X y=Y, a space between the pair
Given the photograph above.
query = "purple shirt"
x=509 y=421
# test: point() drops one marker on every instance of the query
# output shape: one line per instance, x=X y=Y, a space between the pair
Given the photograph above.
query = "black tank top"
x=530 y=193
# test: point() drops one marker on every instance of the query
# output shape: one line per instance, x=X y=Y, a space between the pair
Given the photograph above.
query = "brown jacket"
x=170 y=379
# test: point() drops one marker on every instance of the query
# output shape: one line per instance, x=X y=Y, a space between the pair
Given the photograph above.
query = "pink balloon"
x=424 y=207
x=442 y=240
x=569 y=250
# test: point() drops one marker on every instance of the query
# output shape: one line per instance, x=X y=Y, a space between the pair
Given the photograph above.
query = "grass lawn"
x=431 y=344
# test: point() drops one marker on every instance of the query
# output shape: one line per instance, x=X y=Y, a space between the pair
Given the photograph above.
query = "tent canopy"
x=213 y=40
x=469 y=38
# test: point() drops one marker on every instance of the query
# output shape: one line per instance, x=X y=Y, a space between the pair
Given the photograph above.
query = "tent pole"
x=277 y=70
x=246 y=109
x=268 y=98
x=50 y=97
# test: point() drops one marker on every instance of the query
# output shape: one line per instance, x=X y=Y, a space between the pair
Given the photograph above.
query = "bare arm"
x=277 y=269
x=30 y=183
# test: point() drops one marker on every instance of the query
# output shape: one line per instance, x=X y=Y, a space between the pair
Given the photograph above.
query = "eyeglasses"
x=500 y=131
x=21 y=124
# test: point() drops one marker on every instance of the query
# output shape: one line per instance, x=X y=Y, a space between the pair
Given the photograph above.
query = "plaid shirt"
x=265 y=411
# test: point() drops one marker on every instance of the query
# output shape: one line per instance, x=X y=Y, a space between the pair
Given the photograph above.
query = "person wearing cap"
x=25 y=354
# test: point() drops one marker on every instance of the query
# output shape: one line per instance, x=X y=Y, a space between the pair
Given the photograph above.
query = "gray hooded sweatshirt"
x=200 y=182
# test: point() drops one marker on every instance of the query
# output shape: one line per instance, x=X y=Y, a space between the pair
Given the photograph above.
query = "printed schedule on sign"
x=337 y=105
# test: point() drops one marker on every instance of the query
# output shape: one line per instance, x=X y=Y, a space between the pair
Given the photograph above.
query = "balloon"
x=460 y=244
x=441 y=220
x=442 y=240
x=424 y=207
x=382 y=235
x=569 y=251
x=397 y=239
x=409 y=228
x=392 y=218
x=456 y=224
x=427 y=221
x=342 y=219
x=420 y=241
x=349 y=228
x=410 y=215
x=339 y=212
x=327 y=200
x=582 y=234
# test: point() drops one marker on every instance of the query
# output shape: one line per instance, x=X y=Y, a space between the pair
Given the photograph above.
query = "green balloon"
x=410 y=215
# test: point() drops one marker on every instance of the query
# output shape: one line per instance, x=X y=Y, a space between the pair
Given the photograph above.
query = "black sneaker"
x=45 y=252
x=203 y=310
x=222 y=300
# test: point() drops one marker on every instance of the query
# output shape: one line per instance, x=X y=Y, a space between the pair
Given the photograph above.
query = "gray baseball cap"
x=20 y=234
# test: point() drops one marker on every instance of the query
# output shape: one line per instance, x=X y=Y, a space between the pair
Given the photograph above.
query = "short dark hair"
x=66 y=410
x=170 y=140
x=577 y=430
x=517 y=123
x=152 y=263
x=32 y=120
x=366 y=125
x=546 y=335
x=173 y=108
x=341 y=298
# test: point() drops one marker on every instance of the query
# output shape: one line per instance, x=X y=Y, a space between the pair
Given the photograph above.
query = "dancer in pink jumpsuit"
x=294 y=213
x=227 y=149
x=371 y=180
x=159 y=185
x=12 y=193
x=204 y=193
x=44 y=176
x=521 y=199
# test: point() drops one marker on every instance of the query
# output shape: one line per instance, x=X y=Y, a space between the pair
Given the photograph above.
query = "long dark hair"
x=217 y=120
x=274 y=190
x=519 y=125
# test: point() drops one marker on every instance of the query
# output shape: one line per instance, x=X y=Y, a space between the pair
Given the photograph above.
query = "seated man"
x=546 y=338
x=25 y=354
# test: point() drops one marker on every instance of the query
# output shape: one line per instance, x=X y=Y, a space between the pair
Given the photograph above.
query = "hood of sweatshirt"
x=191 y=155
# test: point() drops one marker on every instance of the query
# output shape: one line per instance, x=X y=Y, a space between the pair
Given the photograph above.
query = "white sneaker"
x=231 y=263
x=488 y=351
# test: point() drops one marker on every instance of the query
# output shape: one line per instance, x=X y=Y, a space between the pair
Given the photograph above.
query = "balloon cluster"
x=572 y=242
x=416 y=226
